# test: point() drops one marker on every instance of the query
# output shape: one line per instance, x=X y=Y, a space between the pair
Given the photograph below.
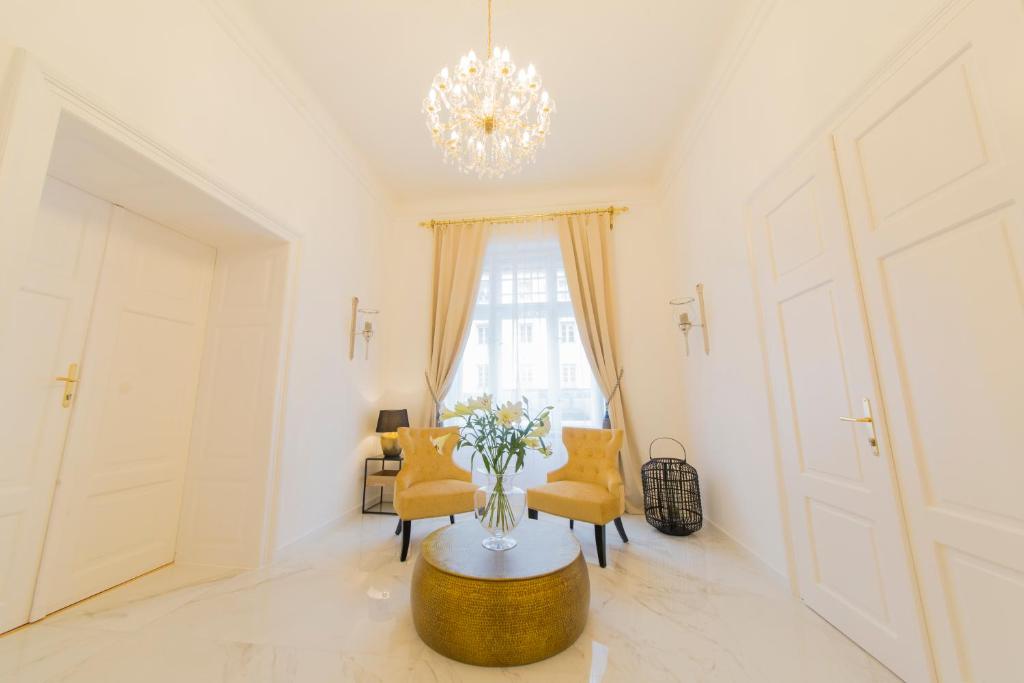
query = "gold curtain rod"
x=523 y=217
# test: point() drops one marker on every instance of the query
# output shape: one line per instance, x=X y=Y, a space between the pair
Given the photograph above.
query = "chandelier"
x=488 y=117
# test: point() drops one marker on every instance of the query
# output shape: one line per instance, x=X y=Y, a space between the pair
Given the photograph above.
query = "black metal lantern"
x=671 y=493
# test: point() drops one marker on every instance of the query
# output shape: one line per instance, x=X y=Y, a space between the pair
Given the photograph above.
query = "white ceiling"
x=626 y=76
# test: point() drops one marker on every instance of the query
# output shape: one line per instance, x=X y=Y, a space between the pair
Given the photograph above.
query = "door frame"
x=33 y=102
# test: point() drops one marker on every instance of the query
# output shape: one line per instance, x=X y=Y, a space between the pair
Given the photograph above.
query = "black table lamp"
x=388 y=422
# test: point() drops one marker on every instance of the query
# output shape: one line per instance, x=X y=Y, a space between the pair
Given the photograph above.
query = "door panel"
x=936 y=215
x=224 y=508
x=852 y=559
x=117 y=507
x=50 y=318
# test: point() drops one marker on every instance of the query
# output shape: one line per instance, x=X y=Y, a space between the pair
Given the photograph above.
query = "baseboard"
x=775 y=570
x=281 y=549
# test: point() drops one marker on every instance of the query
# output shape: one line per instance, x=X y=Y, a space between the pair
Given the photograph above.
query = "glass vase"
x=499 y=505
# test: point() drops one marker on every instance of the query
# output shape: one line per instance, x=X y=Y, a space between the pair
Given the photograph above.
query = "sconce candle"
x=686 y=323
x=365 y=331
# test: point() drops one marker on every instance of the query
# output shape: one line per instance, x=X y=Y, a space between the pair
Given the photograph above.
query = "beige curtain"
x=458 y=261
x=586 y=242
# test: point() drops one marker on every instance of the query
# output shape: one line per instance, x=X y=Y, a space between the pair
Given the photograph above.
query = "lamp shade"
x=390 y=420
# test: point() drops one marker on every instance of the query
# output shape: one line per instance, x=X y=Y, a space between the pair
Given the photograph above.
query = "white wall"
x=802 y=60
x=177 y=72
x=652 y=348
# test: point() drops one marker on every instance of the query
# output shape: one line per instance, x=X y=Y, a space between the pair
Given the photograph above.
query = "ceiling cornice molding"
x=684 y=142
x=250 y=40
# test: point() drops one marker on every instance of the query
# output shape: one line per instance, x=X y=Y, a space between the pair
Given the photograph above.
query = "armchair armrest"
x=460 y=474
x=558 y=474
x=613 y=480
x=406 y=477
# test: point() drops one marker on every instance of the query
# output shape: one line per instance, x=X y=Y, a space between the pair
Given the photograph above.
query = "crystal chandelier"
x=488 y=117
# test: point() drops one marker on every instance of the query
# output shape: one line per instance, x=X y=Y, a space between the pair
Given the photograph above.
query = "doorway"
x=143 y=328
x=890 y=266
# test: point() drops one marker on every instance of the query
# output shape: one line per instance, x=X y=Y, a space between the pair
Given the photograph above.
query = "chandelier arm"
x=490 y=23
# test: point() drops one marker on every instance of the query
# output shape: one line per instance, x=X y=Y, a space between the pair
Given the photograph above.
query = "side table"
x=384 y=478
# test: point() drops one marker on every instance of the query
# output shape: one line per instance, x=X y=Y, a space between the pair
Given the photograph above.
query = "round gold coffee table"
x=506 y=608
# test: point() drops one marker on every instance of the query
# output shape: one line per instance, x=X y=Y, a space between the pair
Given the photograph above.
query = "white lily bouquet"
x=501 y=436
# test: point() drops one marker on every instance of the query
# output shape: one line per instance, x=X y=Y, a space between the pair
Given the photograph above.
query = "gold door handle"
x=70 y=380
x=867 y=421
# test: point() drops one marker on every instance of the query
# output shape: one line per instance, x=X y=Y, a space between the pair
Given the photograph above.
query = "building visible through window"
x=532 y=287
x=567 y=331
x=562 y=286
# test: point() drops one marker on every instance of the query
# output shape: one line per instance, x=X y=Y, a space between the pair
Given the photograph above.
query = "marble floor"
x=336 y=608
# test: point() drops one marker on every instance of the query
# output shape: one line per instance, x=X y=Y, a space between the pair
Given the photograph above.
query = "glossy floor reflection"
x=336 y=608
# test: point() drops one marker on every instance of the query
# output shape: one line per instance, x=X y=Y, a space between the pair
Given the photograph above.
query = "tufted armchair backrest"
x=593 y=457
x=423 y=462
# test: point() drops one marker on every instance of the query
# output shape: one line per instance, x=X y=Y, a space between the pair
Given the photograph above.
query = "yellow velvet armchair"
x=430 y=484
x=588 y=487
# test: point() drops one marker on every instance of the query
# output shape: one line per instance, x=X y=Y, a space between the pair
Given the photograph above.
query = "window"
x=567 y=331
x=484 y=295
x=526 y=341
x=507 y=288
x=561 y=287
x=532 y=287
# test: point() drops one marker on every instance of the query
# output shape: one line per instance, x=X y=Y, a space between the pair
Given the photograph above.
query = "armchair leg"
x=531 y=513
x=451 y=518
x=621 y=529
x=599 y=538
x=398 y=529
x=571 y=524
x=406 y=534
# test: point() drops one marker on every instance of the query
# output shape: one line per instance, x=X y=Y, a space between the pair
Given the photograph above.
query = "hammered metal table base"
x=507 y=608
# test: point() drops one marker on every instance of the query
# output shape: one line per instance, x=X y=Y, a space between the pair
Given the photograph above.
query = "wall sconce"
x=685 y=320
x=365 y=331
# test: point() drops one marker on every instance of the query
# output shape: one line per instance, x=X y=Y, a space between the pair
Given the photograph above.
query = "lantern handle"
x=650 y=449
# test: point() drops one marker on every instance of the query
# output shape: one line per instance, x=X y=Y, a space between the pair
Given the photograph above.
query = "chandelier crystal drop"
x=488 y=117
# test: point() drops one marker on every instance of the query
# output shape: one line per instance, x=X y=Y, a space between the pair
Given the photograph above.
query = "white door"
x=933 y=164
x=852 y=557
x=50 y=319
x=116 y=508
